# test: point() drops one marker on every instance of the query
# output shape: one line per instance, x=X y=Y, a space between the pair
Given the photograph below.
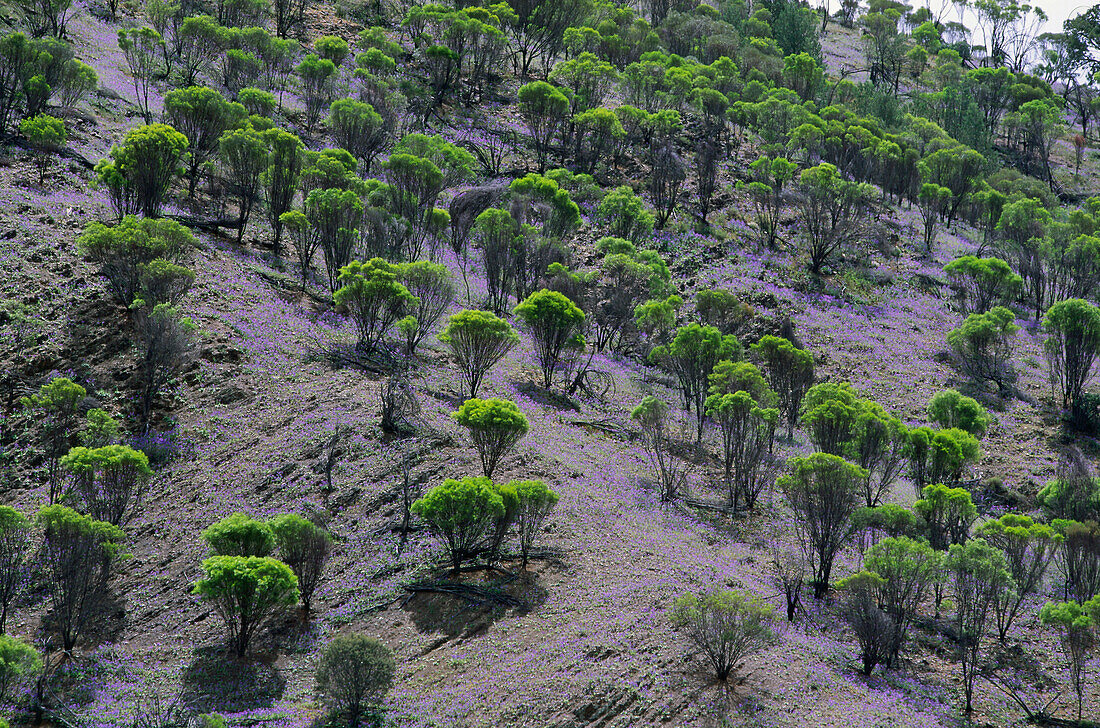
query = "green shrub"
x=15 y=563
x=374 y=297
x=823 y=491
x=140 y=171
x=535 y=501
x=247 y=592
x=121 y=251
x=726 y=626
x=478 y=340
x=19 y=665
x=109 y=481
x=240 y=535
x=948 y=409
x=354 y=673
x=556 y=326
x=47 y=135
x=495 y=426
x=305 y=547
x=460 y=513
x=77 y=554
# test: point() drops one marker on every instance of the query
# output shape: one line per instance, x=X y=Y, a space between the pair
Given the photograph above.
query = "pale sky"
x=1059 y=10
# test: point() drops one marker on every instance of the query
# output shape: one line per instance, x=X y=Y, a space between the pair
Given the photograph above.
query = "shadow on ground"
x=466 y=605
x=216 y=681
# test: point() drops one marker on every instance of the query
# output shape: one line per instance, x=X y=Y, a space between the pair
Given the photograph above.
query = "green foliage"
x=140 y=171
x=281 y=179
x=790 y=373
x=244 y=156
x=556 y=326
x=587 y=77
x=830 y=412
x=433 y=290
x=161 y=281
x=904 y=569
x=478 y=340
x=795 y=29
x=331 y=48
x=354 y=673
x=652 y=415
x=934 y=202
x=414 y=186
x=748 y=434
x=728 y=377
x=1076 y=628
x=15 y=563
x=54 y=409
x=723 y=310
x=832 y=213
x=495 y=426
x=534 y=503
x=123 y=250
x=77 y=554
x=691 y=357
x=240 y=535
x=47 y=135
x=141 y=47
x=726 y=626
x=983 y=282
x=543 y=108
x=1072 y=345
x=357 y=127
x=334 y=216
x=983 y=347
x=802 y=73
x=257 y=101
x=109 y=481
x=625 y=215
x=1028 y=548
x=247 y=592
x=770 y=177
x=544 y=203
x=979 y=575
x=305 y=547
x=460 y=513
x=823 y=491
x=1074 y=495
x=318 y=76
x=949 y=513
x=657 y=318
x=948 y=409
x=374 y=297
x=873 y=628
x=20 y=664
x=890 y=519
x=958 y=168
x=100 y=429
x=203 y=115
x=599 y=134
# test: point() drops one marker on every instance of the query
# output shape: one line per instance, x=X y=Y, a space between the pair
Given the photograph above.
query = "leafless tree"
x=789 y=576
x=669 y=173
x=397 y=397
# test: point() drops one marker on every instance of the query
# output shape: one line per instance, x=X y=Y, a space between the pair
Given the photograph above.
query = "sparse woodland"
x=548 y=363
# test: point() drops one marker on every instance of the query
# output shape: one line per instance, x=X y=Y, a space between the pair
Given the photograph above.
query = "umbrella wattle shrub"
x=247 y=592
x=495 y=426
x=460 y=513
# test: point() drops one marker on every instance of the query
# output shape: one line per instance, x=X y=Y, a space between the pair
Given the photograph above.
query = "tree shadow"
x=548 y=397
x=104 y=625
x=466 y=606
x=108 y=628
x=216 y=681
